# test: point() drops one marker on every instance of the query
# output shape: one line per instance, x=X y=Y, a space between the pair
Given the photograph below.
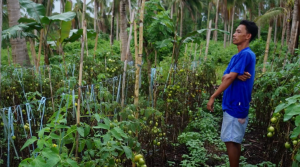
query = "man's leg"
x=234 y=152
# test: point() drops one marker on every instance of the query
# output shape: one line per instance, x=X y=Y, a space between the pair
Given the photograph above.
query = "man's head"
x=245 y=32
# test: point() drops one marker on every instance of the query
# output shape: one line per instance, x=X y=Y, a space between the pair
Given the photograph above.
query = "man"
x=237 y=84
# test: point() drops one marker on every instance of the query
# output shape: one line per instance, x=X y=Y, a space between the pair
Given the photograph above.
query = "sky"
x=57 y=6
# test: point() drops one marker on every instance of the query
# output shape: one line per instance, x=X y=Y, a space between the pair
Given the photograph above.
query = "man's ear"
x=248 y=36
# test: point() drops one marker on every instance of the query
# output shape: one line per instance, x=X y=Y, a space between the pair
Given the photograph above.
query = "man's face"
x=240 y=36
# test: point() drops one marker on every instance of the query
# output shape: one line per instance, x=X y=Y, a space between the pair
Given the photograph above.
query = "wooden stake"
x=126 y=57
x=207 y=40
x=140 y=55
x=40 y=48
x=80 y=77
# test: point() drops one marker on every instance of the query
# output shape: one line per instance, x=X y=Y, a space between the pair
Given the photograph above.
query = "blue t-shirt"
x=237 y=96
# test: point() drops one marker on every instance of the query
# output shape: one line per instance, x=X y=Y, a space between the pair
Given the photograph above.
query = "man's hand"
x=210 y=104
x=245 y=76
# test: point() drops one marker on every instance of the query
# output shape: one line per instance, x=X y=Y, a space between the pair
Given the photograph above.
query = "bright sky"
x=57 y=6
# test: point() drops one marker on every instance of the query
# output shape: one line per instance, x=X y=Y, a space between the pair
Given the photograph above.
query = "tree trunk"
x=117 y=30
x=123 y=27
x=225 y=36
x=216 y=22
x=231 y=33
x=267 y=46
x=1 y=44
x=288 y=27
x=283 y=30
x=18 y=45
x=181 y=18
x=293 y=29
x=62 y=6
x=259 y=13
x=112 y=24
x=95 y=15
x=275 y=31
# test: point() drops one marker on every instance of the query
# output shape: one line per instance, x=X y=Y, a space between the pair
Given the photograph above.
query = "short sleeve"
x=240 y=64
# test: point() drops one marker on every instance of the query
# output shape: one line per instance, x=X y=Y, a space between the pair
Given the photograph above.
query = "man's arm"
x=227 y=80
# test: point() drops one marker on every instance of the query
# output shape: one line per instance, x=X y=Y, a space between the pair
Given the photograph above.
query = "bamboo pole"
x=40 y=48
x=80 y=76
x=267 y=48
x=140 y=55
x=96 y=44
x=32 y=48
x=216 y=22
x=126 y=58
x=1 y=21
x=207 y=40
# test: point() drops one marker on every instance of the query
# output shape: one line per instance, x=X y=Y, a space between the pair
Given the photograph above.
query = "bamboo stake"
x=207 y=40
x=140 y=55
x=267 y=48
x=126 y=57
x=32 y=48
x=40 y=48
x=96 y=43
x=80 y=76
x=1 y=21
x=8 y=56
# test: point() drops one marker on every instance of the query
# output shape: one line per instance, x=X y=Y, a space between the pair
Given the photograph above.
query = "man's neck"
x=242 y=46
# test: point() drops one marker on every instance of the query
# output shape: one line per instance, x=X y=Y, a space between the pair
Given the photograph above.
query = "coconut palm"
x=19 y=49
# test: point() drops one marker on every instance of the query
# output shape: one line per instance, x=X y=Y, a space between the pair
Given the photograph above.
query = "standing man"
x=237 y=84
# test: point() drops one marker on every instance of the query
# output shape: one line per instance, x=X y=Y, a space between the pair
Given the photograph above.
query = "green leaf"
x=72 y=162
x=20 y=31
x=34 y=10
x=81 y=145
x=101 y=126
x=291 y=110
x=28 y=142
x=68 y=6
x=89 y=144
x=26 y=20
x=80 y=130
x=26 y=162
x=106 y=138
x=67 y=16
x=128 y=152
x=297 y=121
x=280 y=107
x=298 y=157
x=52 y=157
x=42 y=131
x=116 y=134
x=40 y=143
x=39 y=161
x=296 y=132
x=92 y=153
x=87 y=130
x=121 y=132
x=76 y=34
x=54 y=136
x=97 y=117
x=106 y=121
x=62 y=126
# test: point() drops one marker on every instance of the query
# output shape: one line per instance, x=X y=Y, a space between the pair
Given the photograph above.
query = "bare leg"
x=234 y=152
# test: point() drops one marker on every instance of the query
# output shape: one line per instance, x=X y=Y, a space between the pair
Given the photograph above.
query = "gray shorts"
x=233 y=129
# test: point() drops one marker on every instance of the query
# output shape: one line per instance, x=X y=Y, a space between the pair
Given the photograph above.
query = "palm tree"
x=19 y=49
x=123 y=32
x=268 y=17
x=293 y=29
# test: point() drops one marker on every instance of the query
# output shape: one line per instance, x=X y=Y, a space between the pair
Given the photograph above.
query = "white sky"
x=57 y=6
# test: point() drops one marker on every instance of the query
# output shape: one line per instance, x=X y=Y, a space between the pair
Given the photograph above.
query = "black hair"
x=251 y=28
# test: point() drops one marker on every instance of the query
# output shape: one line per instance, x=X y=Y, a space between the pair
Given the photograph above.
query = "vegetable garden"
x=97 y=102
